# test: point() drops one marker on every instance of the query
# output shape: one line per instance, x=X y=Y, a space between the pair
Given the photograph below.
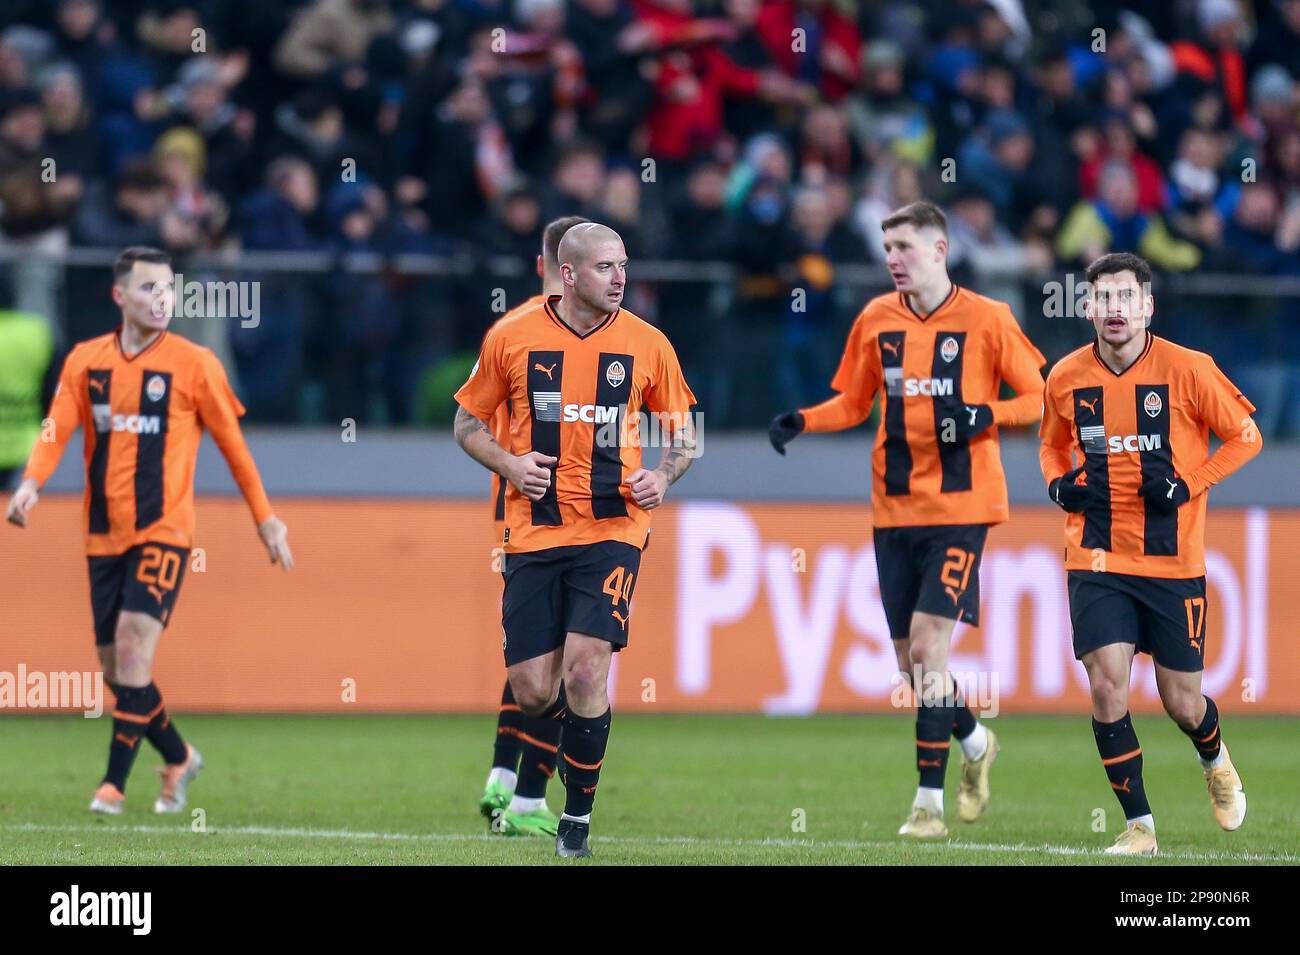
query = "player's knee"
x=921 y=648
x=584 y=680
x=1109 y=699
x=533 y=694
x=1182 y=709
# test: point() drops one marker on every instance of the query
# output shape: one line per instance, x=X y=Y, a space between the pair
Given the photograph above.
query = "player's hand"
x=648 y=488
x=531 y=474
x=969 y=420
x=23 y=500
x=784 y=429
x=1071 y=497
x=1165 y=494
x=276 y=538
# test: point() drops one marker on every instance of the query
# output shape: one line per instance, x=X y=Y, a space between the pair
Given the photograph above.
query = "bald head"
x=585 y=240
x=593 y=265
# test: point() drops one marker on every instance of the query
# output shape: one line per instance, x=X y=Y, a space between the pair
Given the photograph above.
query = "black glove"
x=784 y=429
x=1165 y=494
x=1071 y=497
x=970 y=420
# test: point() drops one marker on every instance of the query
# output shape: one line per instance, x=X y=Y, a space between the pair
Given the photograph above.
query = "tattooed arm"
x=650 y=487
x=530 y=473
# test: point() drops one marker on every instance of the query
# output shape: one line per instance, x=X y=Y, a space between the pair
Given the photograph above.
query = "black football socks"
x=933 y=728
x=509 y=744
x=1117 y=743
x=131 y=718
x=1206 y=737
x=585 y=739
x=541 y=740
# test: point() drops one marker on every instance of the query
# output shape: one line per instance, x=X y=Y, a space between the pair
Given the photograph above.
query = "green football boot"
x=496 y=798
x=537 y=822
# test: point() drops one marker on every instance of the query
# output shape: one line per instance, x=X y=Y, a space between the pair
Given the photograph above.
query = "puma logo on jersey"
x=954 y=594
x=893 y=348
x=622 y=620
x=156 y=594
x=538 y=366
x=1090 y=405
x=1122 y=787
x=96 y=384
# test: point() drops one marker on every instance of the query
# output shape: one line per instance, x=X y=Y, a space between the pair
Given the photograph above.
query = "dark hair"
x=140 y=174
x=127 y=258
x=918 y=214
x=1114 y=262
x=552 y=235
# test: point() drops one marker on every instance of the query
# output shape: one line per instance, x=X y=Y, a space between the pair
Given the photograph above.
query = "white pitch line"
x=782 y=843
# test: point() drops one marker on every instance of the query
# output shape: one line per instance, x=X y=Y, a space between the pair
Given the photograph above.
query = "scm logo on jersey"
x=1119 y=443
x=591 y=414
x=137 y=423
x=928 y=387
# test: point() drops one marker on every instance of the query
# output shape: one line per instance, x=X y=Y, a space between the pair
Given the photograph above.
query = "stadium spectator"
x=1119 y=144
x=1214 y=59
x=1112 y=222
x=135 y=211
x=1277 y=38
x=34 y=198
x=200 y=99
x=1262 y=237
x=997 y=158
x=577 y=183
x=694 y=77
x=823 y=53
x=891 y=185
x=884 y=117
x=70 y=135
x=615 y=51
x=279 y=215
x=330 y=33
x=181 y=159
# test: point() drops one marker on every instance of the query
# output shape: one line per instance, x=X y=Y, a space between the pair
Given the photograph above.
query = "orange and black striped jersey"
x=143 y=417
x=1151 y=420
x=499 y=425
x=961 y=352
x=578 y=398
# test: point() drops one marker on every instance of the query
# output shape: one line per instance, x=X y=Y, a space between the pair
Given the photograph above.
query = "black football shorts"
x=147 y=578
x=584 y=588
x=1162 y=617
x=933 y=569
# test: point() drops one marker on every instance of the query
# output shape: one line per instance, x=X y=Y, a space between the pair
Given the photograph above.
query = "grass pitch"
x=737 y=790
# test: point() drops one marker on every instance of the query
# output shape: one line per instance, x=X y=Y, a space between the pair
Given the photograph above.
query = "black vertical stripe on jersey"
x=898 y=456
x=149 y=451
x=546 y=434
x=499 y=498
x=954 y=456
x=606 y=462
x=1159 y=529
x=1096 y=519
x=96 y=474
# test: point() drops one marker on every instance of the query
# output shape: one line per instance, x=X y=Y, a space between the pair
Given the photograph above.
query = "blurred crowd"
x=772 y=134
